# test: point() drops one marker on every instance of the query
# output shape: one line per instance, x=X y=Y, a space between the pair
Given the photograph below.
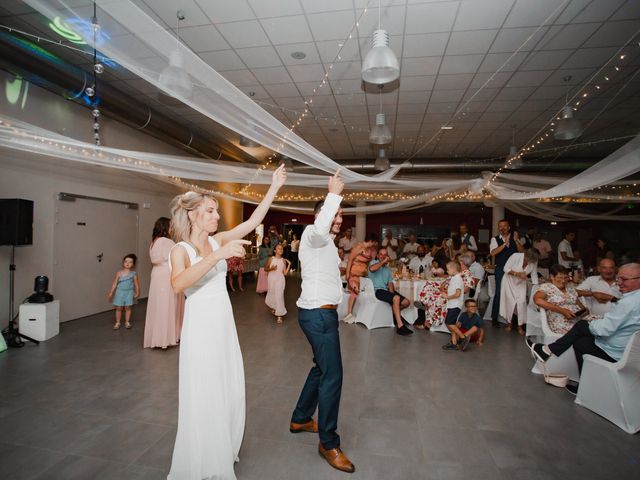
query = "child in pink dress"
x=277 y=267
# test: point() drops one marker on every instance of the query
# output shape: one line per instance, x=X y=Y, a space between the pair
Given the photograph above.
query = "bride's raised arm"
x=236 y=233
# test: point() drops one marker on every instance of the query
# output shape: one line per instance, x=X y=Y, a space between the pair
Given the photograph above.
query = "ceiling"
x=498 y=64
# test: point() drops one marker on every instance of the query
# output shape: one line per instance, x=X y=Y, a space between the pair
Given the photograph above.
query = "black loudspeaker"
x=16 y=222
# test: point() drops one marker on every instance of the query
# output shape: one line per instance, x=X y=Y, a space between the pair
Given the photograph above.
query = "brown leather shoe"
x=311 y=426
x=336 y=459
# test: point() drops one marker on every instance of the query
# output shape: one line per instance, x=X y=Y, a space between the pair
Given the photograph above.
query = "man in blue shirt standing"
x=380 y=276
x=606 y=337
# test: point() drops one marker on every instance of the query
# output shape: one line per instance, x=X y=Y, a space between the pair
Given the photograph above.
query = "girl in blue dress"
x=124 y=290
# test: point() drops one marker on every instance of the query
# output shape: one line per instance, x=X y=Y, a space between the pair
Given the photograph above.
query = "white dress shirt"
x=390 y=252
x=565 y=246
x=319 y=260
x=347 y=243
x=596 y=283
x=409 y=250
x=477 y=271
x=424 y=262
x=473 y=246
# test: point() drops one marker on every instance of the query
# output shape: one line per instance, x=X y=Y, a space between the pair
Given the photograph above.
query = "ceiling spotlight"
x=298 y=55
x=380 y=134
x=382 y=162
x=248 y=143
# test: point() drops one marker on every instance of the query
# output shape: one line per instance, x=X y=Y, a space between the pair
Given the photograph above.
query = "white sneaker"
x=350 y=318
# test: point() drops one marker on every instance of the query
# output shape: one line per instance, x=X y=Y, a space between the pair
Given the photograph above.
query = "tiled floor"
x=93 y=404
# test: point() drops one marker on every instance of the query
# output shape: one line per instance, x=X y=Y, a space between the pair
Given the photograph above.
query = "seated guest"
x=410 y=247
x=380 y=275
x=544 y=247
x=454 y=296
x=559 y=300
x=436 y=269
x=432 y=304
x=566 y=256
x=476 y=269
x=607 y=337
x=469 y=327
x=421 y=262
x=513 y=294
x=347 y=242
x=599 y=292
x=344 y=261
x=358 y=266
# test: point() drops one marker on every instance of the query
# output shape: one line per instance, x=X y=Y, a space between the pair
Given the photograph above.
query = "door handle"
x=99 y=257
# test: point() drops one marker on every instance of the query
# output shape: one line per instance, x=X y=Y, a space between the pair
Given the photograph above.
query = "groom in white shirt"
x=318 y=318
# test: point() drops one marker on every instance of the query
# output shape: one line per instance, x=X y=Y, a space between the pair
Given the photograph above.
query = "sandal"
x=127 y=325
x=116 y=326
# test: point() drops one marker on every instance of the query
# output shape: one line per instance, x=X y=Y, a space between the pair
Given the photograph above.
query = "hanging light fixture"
x=382 y=163
x=174 y=77
x=513 y=162
x=380 y=133
x=92 y=91
x=380 y=65
x=567 y=128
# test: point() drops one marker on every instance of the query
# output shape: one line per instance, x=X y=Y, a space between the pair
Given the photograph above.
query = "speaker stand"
x=11 y=334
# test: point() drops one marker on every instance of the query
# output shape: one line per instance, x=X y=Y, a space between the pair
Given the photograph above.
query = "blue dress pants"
x=323 y=387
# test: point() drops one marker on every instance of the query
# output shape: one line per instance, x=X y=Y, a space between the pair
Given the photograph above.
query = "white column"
x=361 y=223
x=497 y=212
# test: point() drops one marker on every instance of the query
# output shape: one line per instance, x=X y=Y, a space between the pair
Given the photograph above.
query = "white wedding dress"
x=211 y=409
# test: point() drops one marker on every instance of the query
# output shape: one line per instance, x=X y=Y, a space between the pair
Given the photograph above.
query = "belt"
x=330 y=307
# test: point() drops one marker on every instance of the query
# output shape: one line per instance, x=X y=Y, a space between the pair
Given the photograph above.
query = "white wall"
x=41 y=178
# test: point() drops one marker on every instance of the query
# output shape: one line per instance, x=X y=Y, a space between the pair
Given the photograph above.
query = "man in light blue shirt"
x=380 y=276
x=606 y=337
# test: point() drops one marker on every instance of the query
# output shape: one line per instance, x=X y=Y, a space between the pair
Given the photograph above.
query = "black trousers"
x=582 y=341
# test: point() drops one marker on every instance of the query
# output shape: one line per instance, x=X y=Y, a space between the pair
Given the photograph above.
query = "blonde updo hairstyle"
x=181 y=205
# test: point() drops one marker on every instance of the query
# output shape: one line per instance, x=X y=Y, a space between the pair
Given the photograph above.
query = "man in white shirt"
x=566 y=256
x=347 y=242
x=600 y=292
x=422 y=261
x=467 y=239
x=411 y=247
x=391 y=244
x=318 y=318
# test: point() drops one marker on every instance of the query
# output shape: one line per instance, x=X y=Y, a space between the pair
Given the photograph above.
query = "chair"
x=370 y=311
x=612 y=390
x=565 y=363
x=491 y=288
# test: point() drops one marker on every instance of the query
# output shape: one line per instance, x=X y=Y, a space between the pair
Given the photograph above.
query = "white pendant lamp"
x=567 y=128
x=174 y=78
x=380 y=65
x=380 y=134
x=382 y=162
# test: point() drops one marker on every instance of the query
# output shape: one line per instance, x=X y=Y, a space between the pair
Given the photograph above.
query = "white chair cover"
x=564 y=364
x=370 y=311
x=612 y=390
x=491 y=290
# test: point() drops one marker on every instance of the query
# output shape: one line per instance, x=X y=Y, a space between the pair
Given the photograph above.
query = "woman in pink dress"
x=277 y=267
x=164 y=307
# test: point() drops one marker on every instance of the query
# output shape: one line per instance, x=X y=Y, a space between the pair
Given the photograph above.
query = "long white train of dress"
x=211 y=409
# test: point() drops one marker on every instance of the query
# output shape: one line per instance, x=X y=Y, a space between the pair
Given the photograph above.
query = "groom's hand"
x=336 y=184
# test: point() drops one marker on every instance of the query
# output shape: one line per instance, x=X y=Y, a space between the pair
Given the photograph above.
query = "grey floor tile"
x=18 y=462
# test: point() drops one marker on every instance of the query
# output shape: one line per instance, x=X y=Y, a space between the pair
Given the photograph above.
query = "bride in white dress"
x=211 y=410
